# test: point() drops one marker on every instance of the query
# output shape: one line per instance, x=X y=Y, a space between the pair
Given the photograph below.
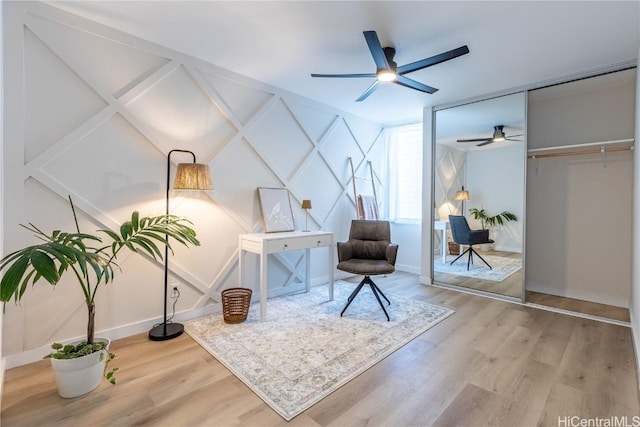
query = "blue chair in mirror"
x=463 y=235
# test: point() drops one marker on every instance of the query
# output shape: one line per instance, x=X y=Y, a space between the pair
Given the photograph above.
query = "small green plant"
x=492 y=221
x=84 y=348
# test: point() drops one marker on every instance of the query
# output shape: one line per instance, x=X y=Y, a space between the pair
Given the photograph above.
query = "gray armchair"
x=369 y=251
x=463 y=235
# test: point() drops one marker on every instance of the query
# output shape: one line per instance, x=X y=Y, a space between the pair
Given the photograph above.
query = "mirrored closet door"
x=479 y=179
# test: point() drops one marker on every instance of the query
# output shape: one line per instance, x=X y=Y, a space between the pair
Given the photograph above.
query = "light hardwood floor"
x=580 y=306
x=491 y=363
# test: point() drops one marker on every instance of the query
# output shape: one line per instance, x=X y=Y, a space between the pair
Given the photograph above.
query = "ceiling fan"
x=388 y=70
x=498 y=135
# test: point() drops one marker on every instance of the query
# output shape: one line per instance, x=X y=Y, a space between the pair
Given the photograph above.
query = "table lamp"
x=462 y=195
x=306 y=205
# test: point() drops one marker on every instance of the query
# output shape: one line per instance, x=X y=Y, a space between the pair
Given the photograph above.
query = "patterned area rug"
x=305 y=350
x=502 y=267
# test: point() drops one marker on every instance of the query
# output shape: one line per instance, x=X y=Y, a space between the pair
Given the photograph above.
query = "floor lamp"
x=462 y=195
x=189 y=176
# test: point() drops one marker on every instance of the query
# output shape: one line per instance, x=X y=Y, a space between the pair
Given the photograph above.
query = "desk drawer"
x=297 y=243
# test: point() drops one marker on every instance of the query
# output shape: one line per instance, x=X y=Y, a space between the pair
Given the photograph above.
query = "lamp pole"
x=166 y=331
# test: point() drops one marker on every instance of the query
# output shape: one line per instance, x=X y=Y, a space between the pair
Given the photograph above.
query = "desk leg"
x=331 y=269
x=444 y=246
x=263 y=286
x=307 y=270
x=240 y=266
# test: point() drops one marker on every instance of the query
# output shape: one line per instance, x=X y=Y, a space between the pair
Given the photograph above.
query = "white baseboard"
x=515 y=249
x=408 y=268
x=425 y=280
x=36 y=354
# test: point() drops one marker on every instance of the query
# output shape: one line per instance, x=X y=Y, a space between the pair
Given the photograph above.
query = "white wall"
x=95 y=119
x=578 y=215
x=634 y=306
x=426 y=276
x=2 y=359
x=495 y=180
x=407 y=237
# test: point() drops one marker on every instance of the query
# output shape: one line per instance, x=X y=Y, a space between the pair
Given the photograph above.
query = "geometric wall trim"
x=449 y=177
x=100 y=115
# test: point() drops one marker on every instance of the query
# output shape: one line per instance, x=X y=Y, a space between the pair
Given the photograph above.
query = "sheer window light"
x=405 y=173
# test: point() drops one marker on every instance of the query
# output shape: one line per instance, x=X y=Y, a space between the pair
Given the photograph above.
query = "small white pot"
x=75 y=377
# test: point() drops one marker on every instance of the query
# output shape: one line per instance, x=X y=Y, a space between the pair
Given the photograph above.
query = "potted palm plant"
x=80 y=366
x=487 y=221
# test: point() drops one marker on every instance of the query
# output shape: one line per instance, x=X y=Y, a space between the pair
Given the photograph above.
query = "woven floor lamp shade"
x=192 y=176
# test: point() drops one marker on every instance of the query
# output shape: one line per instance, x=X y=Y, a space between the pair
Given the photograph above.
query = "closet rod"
x=617 y=142
x=574 y=153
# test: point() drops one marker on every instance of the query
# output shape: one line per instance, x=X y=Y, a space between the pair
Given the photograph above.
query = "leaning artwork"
x=275 y=208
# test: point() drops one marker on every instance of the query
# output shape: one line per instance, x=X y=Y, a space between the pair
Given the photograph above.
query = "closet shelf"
x=577 y=149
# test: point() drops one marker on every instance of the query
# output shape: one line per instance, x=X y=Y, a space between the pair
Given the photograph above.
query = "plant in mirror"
x=488 y=221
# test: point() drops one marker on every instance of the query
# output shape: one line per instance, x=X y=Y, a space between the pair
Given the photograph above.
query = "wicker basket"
x=454 y=248
x=235 y=304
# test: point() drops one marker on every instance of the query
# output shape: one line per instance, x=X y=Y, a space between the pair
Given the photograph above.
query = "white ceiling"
x=512 y=43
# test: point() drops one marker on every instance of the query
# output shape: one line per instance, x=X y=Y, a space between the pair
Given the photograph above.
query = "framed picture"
x=275 y=208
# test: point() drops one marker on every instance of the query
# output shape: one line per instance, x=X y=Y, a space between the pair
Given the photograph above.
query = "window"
x=405 y=173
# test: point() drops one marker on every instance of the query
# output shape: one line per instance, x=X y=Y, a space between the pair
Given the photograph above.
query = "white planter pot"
x=75 y=377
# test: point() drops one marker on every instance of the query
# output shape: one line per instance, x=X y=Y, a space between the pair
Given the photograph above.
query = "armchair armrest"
x=345 y=251
x=479 y=236
x=392 y=252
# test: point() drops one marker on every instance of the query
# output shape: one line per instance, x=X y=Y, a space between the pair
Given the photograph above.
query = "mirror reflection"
x=479 y=169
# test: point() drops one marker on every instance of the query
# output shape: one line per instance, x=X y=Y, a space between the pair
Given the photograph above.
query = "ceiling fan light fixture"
x=386 y=75
x=498 y=134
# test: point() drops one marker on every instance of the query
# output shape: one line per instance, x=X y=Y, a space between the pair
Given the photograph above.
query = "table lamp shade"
x=192 y=176
x=306 y=204
x=462 y=195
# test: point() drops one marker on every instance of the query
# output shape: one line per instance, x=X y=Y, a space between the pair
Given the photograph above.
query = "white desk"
x=442 y=225
x=264 y=244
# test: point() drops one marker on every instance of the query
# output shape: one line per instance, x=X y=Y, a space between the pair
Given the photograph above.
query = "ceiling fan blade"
x=407 y=82
x=475 y=140
x=513 y=136
x=343 y=75
x=437 y=59
x=509 y=139
x=376 y=49
x=482 y=144
x=368 y=92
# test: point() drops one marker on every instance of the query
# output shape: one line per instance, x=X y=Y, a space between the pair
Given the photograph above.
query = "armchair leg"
x=471 y=252
x=376 y=292
x=483 y=260
x=460 y=256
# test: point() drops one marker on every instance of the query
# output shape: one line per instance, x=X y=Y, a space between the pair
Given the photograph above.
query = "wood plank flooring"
x=491 y=363
x=579 y=306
